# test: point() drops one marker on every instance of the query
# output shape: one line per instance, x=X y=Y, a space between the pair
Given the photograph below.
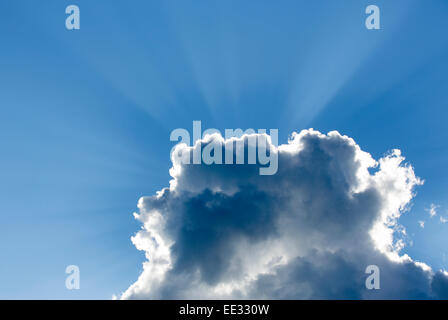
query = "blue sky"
x=85 y=115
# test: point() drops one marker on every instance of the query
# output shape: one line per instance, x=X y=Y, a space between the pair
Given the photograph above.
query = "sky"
x=86 y=115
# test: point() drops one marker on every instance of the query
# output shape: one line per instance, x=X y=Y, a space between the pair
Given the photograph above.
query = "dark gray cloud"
x=307 y=232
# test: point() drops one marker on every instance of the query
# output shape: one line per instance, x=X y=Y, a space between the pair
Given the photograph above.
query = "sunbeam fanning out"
x=95 y=97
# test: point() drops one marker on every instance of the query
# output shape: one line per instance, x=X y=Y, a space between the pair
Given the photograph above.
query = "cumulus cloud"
x=307 y=232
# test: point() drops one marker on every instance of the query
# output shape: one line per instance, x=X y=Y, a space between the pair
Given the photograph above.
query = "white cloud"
x=432 y=210
x=224 y=231
x=421 y=224
x=443 y=219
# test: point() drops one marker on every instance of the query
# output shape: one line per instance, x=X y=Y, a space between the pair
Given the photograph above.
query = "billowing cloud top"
x=307 y=232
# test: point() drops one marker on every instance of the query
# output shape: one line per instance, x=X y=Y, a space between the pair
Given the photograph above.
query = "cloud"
x=307 y=232
x=432 y=210
x=421 y=224
x=443 y=219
